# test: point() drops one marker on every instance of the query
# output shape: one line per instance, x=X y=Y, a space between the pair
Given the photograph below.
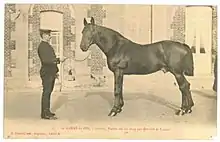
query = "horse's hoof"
x=189 y=111
x=119 y=110
x=180 y=112
x=112 y=113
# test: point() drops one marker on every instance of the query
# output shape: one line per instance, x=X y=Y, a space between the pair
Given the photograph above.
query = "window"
x=55 y=42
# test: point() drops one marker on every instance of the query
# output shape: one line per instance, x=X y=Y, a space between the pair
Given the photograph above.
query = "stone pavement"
x=149 y=103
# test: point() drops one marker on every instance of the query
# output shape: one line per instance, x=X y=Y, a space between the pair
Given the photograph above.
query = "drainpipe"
x=151 y=24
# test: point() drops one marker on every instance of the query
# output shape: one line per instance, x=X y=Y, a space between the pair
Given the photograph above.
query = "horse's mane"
x=114 y=32
x=118 y=34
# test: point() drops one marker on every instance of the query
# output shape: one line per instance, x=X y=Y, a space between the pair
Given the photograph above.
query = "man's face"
x=46 y=37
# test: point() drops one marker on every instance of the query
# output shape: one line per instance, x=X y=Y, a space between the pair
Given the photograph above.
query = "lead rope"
x=76 y=60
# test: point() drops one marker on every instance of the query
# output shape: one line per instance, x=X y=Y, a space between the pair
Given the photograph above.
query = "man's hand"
x=63 y=59
x=57 y=76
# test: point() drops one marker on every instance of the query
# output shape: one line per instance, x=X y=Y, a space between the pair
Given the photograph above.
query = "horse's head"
x=88 y=34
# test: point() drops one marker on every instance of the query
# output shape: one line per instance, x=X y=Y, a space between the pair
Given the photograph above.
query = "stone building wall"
x=173 y=27
x=9 y=44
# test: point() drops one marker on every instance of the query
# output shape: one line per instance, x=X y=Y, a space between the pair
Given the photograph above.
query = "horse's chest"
x=115 y=63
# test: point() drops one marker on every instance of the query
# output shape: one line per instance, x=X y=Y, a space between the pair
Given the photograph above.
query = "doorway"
x=199 y=37
x=55 y=24
x=57 y=44
x=57 y=17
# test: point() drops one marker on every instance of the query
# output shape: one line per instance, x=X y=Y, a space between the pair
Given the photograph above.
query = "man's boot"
x=46 y=114
x=51 y=113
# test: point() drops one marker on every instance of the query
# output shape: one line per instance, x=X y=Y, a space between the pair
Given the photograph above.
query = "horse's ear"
x=92 y=21
x=85 y=22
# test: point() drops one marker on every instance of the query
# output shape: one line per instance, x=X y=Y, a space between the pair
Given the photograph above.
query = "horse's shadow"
x=64 y=100
x=108 y=96
x=204 y=94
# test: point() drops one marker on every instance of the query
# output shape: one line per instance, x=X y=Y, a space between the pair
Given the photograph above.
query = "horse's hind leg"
x=187 y=101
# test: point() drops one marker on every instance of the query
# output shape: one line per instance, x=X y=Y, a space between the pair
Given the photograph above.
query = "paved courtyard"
x=150 y=104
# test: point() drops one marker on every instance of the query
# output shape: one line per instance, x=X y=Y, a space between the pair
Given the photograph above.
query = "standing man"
x=48 y=72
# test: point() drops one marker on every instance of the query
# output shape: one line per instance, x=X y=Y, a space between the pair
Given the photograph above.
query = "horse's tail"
x=187 y=62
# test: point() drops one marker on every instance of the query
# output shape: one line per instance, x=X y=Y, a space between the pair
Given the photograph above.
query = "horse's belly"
x=141 y=68
x=136 y=69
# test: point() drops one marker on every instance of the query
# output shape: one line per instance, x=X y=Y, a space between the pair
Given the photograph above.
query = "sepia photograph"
x=110 y=71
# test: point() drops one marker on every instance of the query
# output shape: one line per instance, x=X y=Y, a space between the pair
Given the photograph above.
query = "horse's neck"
x=102 y=39
x=102 y=46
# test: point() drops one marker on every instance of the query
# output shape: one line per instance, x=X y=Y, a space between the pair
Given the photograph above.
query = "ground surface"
x=150 y=104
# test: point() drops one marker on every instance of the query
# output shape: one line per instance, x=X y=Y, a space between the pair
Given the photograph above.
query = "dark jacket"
x=48 y=59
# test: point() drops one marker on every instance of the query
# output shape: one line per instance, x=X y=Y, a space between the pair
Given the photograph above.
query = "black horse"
x=125 y=57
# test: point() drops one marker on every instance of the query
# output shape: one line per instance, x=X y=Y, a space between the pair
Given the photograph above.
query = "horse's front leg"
x=118 y=86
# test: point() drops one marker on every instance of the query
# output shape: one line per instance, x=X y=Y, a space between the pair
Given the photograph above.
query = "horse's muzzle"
x=83 y=48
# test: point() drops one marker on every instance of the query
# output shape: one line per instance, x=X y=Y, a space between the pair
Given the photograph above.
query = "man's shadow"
x=62 y=100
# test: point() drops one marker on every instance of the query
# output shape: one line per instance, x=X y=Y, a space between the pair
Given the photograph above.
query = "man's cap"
x=46 y=31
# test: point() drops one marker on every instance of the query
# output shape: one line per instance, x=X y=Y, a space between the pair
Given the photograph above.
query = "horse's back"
x=171 y=45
